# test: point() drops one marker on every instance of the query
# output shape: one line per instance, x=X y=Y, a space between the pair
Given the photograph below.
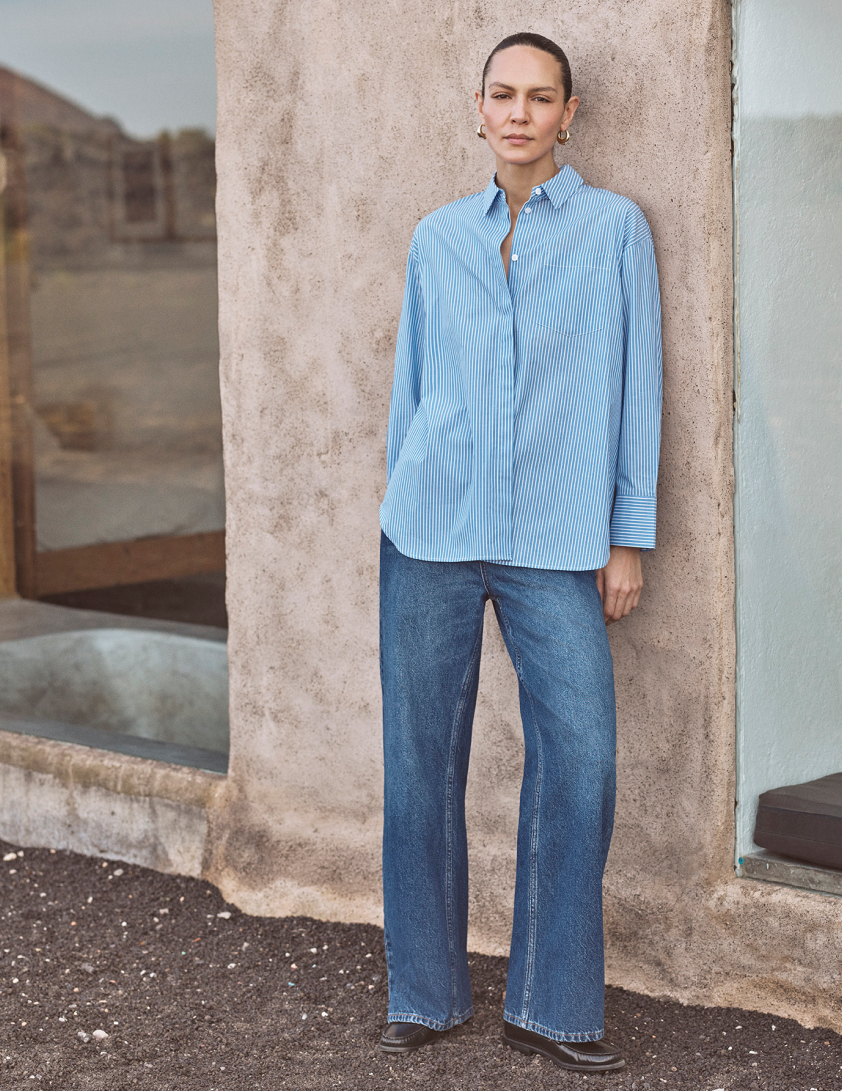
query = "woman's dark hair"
x=536 y=41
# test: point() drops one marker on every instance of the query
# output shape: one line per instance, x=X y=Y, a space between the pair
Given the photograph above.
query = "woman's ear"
x=570 y=110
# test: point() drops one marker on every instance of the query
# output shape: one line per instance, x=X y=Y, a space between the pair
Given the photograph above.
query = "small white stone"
x=10 y=856
x=304 y=1015
x=80 y=1034
x=86 y=966
x=117 y=871
x=314 y=951
x=225 y=915
x=100 y=1035
x=232 y=965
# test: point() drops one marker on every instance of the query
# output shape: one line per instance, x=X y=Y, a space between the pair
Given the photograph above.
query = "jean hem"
x=433 y=1024
x=555 y=1035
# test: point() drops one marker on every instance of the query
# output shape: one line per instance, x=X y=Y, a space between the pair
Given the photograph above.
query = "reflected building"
x=111 y=293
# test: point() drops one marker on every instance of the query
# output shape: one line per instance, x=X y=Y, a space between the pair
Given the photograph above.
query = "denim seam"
x=533 y=843
x=555 y=1035
x=451 y=774
x=433 y=1024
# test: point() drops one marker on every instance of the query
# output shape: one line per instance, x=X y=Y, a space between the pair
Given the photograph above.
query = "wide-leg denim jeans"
x=431 y=617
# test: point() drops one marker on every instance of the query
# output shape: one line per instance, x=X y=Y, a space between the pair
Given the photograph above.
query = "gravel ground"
x=115 y=977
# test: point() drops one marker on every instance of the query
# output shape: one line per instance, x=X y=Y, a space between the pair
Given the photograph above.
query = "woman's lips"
x=517 y=138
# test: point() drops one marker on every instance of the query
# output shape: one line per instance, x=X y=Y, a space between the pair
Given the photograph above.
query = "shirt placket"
x=504 y=433
x=500 y=434
x=523 y=235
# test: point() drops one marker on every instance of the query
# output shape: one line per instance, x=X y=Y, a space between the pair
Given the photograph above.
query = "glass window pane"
x=107 y=112
x=789 y=430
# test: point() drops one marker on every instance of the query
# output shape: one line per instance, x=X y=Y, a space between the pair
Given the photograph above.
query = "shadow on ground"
x=115 y=977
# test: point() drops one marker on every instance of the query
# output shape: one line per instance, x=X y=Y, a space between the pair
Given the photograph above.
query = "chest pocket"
x=575 y=299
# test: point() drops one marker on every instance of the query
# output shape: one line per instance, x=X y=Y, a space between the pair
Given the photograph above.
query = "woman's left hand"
x=620 y=583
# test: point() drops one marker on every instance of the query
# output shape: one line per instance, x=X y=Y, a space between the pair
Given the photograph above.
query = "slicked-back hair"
x=536 y=41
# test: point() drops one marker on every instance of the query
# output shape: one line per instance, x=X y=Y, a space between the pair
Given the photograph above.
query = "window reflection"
x=110 y=263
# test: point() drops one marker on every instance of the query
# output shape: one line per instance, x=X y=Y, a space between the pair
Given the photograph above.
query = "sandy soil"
x=192 y=995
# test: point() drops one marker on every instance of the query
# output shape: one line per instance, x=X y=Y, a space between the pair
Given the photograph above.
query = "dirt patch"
x=195 y=996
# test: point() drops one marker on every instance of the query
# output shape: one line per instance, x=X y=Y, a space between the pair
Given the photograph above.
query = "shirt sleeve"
x=633 y=516
x=409 y=356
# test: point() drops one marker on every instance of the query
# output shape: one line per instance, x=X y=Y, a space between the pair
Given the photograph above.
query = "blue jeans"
x=431 y=617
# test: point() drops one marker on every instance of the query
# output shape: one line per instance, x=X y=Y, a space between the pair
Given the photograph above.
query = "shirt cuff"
x=633 y=521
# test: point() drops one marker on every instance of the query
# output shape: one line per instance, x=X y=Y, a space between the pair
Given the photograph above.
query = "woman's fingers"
x=620 y=583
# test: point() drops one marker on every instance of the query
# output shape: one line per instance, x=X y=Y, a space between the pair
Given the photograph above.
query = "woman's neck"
x=518 y=180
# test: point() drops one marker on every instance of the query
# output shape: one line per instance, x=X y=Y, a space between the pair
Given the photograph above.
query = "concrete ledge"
x=63 y=796
x=77 y=767
x=770 y=868
x=117 y=742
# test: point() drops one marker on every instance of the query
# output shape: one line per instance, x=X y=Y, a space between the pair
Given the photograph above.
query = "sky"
x=148 y=63
x=789 y=55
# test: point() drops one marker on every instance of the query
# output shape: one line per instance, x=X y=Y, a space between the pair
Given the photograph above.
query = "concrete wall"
x=789 y=461
x=103 y=804
x=340 y=124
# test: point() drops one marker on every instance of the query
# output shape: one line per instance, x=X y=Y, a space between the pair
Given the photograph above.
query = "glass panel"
x=109 y=267
x=107 y=117
x=789 y=428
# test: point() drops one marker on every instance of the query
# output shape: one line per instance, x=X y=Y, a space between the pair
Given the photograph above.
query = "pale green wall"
x=788 y=433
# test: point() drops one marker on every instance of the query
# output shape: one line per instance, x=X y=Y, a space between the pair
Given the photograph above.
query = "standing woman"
x=522 y=462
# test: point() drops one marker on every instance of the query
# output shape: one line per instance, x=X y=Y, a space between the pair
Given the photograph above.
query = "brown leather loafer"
x=406 y=1037
x=577 y=1056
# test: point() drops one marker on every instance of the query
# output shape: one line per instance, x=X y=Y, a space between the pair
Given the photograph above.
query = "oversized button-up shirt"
x=524 y=425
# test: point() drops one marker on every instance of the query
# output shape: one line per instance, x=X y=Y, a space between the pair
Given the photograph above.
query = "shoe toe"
x=397 y=1032
x=405 y=1037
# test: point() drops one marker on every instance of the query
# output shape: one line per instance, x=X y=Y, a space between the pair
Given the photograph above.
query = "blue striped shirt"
x=524 y=425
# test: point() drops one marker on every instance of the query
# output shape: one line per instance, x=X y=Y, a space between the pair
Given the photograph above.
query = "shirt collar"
x=557 y=189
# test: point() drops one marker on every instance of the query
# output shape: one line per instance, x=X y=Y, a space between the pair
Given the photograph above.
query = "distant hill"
x=23 y=101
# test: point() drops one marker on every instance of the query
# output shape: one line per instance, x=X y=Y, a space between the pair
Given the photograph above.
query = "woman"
x=522 y=462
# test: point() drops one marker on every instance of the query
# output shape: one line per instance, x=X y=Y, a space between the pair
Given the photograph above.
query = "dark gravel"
x=195 y=1001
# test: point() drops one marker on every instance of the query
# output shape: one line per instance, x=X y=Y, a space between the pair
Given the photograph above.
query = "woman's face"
x=524 y=109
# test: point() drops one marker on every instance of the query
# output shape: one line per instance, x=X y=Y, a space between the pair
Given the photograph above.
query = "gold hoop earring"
x=566 y=136
x=481 y=131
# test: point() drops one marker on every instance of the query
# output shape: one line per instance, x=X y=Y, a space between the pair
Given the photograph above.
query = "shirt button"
x=527 y=210
x=514 y=257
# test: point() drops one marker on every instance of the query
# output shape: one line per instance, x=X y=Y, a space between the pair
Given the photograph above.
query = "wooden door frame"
x=8 y=580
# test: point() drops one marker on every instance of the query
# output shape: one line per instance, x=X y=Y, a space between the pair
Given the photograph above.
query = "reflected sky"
x=148 y=63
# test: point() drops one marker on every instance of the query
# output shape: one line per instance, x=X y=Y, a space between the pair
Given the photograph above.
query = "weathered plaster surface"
x=340 y=124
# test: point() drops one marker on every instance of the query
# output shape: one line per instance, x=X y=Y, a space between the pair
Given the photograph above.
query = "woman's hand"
x=620 y=583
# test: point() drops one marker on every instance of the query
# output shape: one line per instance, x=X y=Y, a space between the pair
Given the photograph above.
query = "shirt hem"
x=417 y=552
